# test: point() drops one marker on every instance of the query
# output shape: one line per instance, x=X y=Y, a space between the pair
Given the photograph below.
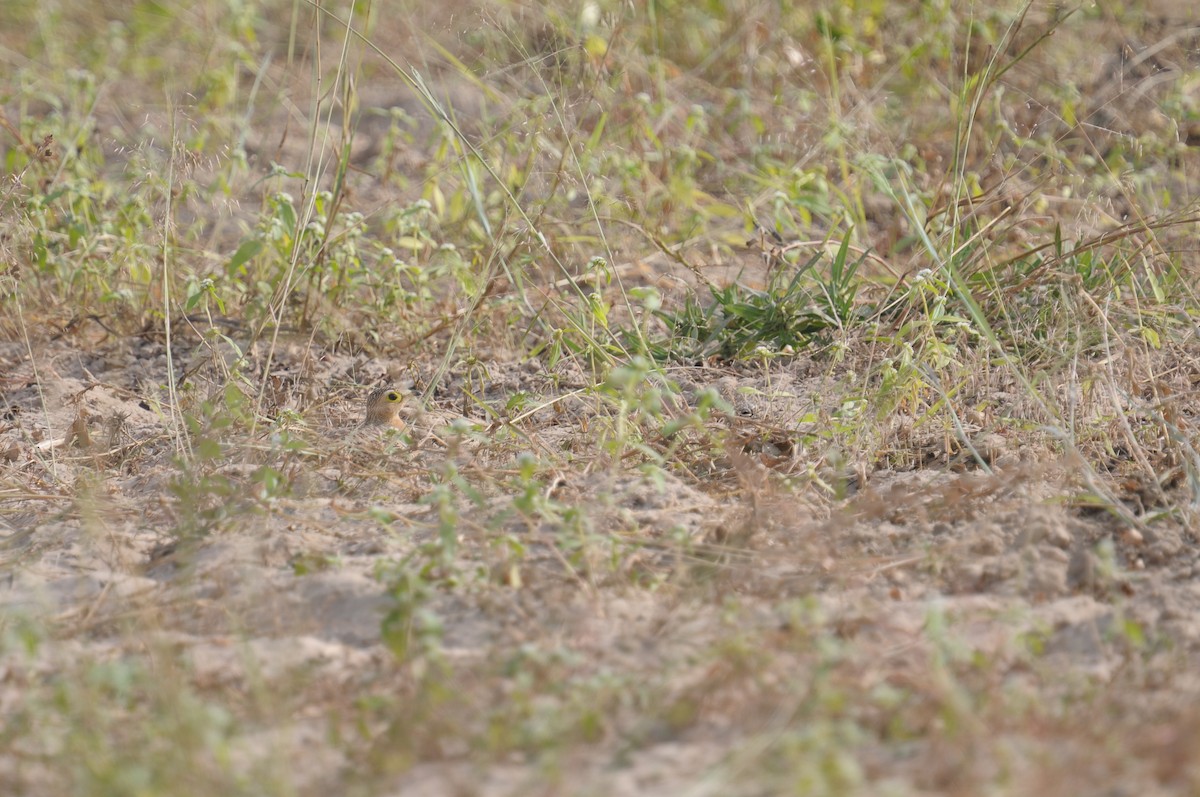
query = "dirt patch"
x=674 y=606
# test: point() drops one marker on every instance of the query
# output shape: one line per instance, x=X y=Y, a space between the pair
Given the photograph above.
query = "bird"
x=382 y=414
x=383 y=408
x=387 y=409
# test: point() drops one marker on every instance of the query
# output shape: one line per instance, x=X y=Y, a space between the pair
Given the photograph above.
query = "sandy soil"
x=626 y=571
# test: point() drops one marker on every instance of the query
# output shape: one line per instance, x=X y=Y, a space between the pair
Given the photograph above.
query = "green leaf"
x=193 y=300
x=244 y=253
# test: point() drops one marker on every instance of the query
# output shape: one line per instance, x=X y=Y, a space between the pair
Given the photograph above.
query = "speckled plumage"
x=383 y=408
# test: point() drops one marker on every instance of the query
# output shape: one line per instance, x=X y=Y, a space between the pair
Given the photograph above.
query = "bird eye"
x=393 y=396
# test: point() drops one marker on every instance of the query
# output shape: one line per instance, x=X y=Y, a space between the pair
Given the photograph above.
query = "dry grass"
x=827 y=379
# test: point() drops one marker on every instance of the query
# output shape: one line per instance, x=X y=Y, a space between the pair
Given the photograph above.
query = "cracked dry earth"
x=647 y=632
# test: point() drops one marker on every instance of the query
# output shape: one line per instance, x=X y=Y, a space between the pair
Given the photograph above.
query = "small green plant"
x=794 y=311
x=411 y=627
x=208 y=496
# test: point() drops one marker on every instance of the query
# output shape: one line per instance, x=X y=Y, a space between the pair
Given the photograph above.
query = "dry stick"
x=1113 y=393
x=666 y=250
x=591 y=204
x=95 y=605
x=987 y=79
x=893 y=565
x=180 y=436
x=1137 y=450
x=1113 y=236
x=302 y=219
x=587 y=586
x=92 y=622
x=418 y=84
x=547 y=404
x=1089 y=475
x=858 y=250
x=19 y=495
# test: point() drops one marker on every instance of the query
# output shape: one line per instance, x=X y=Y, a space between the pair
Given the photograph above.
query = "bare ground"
x=674 y=630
